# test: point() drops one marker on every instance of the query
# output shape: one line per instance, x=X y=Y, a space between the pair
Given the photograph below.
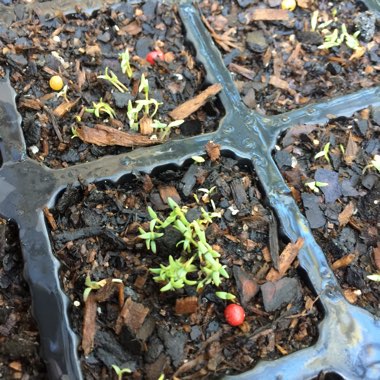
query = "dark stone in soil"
x=275 y=294
x=191 y=128
x=347 y=240
x=17 y=59
x=143 y=46
x=32 y=131
x=366 y=24
x=71 y=156
x=70 y=197
x=155 y=348
x=310 y=38
x=246 y=3
x=355 y=277
x=332 y=191
x=91 y=217
x=174 y=343
x=334 y=68
x=362 y=126
x=257 y=42
x=376 y=115
x=283 y=159
x=369 y=181
x=110 y=352
x=121 y=100
x=104 y=37
x=347 y=189
x=167 y=244
x=313 y=212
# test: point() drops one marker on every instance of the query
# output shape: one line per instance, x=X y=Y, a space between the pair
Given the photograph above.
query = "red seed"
x=234 y=314
x=154 y=56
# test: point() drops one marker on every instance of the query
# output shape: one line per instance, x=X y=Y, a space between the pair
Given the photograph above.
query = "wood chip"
x=104 y=136
x=343 y=261
x=133 y=28
x=286 y=258
x=213 y=150
x=89 y=324
x=186 y=305
x=146 y=128
x=50 y=218
x=186 y=109
x=16 y=366
x=169 y=191
x=345 y=215
x=64 y=107
x=244 y=71
x=351 y=150
x=147 y=184
x=34 y=104
x=246 y=284
x=132 y=315
x=281 y=84
x=350 y=295
x=266 y=14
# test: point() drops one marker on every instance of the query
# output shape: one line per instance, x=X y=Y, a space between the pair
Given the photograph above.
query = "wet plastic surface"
x=348 y=341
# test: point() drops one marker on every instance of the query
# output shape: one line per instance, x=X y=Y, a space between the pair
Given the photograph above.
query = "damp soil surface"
x=277 y=66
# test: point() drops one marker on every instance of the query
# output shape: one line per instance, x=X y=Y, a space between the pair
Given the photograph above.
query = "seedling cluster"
x=138 y=112
x=198 y=257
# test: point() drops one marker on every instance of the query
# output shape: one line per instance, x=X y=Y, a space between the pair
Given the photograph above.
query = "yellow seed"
x=56 y=83
x=289 y=5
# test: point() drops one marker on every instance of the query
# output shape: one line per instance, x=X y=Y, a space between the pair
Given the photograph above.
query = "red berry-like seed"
x=154 y=56
x=234 y=314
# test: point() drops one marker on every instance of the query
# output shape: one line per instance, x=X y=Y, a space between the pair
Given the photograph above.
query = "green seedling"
x=95 y=285
x=324 y=153
x=101 y=107
x=375 y=163
x=315 y=185
x=175 y=274
x=226 y=296
x=114 y=80
x=194 y=243
x=351 y=40
x=150 y=238
x=336 y=39
x=120 y=372
x=63 y=93
x=314 y=20
x=74 y=132
x=374 y=277
x=125 y=63
x=198 y=159
x=165 y=128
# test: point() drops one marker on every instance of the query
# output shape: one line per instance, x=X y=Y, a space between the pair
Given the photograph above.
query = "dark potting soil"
x=97 y=229
x=18 y=333
x=279 y=67
x=343 y=209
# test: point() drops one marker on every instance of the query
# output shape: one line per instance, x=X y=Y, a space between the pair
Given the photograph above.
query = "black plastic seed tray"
x=349 y=337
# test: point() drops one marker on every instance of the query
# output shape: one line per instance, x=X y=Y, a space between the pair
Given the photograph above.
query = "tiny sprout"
x=225 y=296
x=75 y=133
x=114 y=80
x=324 y=153
x=101 y=107
x=315 y=185
x=375 y=163
x=374 y=277
x=150 y=237
x=125 y=63
x=165 y=128
x=95 y=285
x=198 y=159
x=120 y=372
x=63 y=93
x=314 y=20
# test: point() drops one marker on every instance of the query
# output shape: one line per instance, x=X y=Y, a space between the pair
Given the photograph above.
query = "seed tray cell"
x=348 y=343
